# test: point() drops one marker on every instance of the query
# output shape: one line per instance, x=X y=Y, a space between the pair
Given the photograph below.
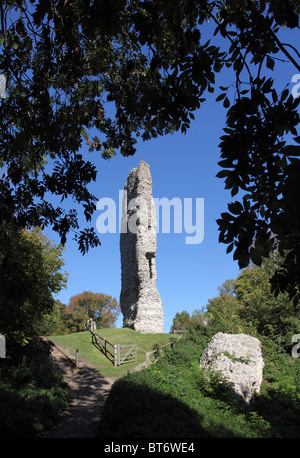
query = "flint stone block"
x=140 y=301
x=239 y=358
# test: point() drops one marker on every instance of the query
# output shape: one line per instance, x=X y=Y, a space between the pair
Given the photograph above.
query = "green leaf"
x=291 y=150
x=220 y=97
x=235 y=207
x=223 y=174
x=284 y=95
x=226 y=103
x=242 y=257
x=256 y=258
x=261 y=249
x=234 y=190
x=274 y=96
x=270 y=62
x=230 y=248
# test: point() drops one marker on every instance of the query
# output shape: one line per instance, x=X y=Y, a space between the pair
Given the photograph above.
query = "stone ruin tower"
x=140 y=301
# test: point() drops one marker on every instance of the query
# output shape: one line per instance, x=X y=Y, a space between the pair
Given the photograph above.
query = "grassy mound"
x=172 y=399
x=82 y=341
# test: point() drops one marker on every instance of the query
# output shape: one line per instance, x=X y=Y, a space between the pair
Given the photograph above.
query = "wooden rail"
x=103 y=344
x=117 y=354
x=169 y=344
x=74 y=362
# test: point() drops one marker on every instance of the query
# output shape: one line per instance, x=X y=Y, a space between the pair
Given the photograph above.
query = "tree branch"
x=281 y=46
x=287 y=44
x=2 y=19
x=232 y=41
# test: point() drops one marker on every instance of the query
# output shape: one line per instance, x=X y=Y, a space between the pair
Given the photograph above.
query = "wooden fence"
x=125 y=354
x=117 y=354
x=105 y=346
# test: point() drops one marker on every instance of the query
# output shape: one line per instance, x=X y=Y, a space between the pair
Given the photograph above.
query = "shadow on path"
x=88 y=393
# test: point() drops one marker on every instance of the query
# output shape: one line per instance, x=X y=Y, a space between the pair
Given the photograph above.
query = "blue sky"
x=183 y=166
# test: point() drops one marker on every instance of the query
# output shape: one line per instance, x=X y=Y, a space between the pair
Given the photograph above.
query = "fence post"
x=77 y=358
x=116 y=355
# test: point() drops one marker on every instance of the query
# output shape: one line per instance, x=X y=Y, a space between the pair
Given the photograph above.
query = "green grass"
x=82 y=341
x=172 y=399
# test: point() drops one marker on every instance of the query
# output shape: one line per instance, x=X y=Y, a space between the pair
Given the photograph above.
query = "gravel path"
x=89 y=391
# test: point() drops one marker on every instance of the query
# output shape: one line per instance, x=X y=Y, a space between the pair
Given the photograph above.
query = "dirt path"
x=89 y=391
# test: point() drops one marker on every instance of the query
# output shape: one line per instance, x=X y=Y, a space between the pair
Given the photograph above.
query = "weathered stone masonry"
x=140 y=301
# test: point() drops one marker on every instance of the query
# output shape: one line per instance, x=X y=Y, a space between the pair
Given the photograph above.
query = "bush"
x=245 y=305
x=173 y=398
x=32 y=395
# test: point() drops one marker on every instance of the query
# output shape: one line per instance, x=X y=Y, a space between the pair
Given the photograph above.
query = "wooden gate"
x=117 y=354
x=126 y=353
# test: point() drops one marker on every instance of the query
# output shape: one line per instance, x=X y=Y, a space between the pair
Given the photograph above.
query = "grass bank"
x=82 y=341
x=172 y=399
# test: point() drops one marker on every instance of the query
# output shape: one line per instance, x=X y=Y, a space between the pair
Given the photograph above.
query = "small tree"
x=103 y=309
x=55 y=322
x=180 y=321
x=246 y=304
x=30 y=273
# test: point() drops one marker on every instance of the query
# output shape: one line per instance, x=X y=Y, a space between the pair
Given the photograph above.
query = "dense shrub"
x=32 y=394
x=172 y=398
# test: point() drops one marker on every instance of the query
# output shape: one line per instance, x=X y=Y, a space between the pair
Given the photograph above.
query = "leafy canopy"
x=102 y=308
x=30 y=273
x=180 y=321
x=129 y=69
x=246 y=304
